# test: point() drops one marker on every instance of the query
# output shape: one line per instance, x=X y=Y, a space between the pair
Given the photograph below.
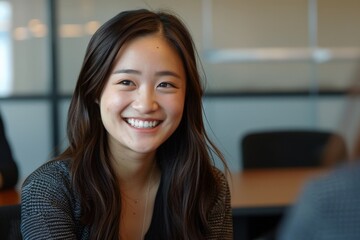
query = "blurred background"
x=268 y=64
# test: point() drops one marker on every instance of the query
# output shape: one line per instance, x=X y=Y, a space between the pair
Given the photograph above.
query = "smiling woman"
x=147 y=86
x=138 y=165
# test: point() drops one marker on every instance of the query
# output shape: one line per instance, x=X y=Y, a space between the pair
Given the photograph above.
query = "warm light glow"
x=33 y=23
x=71 y=30
x=37 y=28
x=21 y=33
x=91 y=27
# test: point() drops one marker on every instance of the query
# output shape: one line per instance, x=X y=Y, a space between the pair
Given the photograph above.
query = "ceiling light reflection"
x=37 y=28
x=21 y=33
x=71 y=30
x=91 y=27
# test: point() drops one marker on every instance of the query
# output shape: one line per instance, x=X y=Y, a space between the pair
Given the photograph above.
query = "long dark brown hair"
x=184 y=159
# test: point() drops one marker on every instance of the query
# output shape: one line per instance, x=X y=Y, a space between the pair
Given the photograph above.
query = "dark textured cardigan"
x=51 y=210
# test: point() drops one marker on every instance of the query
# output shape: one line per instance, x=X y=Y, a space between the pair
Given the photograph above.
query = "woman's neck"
x=138 y=186
x=135 y=171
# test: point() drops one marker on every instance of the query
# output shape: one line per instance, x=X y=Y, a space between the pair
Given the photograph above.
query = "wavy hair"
x=185 y=159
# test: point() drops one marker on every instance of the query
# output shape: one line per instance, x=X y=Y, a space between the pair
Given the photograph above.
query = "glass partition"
x=24 y=48
x=244 y=46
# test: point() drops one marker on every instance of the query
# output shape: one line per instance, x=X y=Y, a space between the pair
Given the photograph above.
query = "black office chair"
x=286 y=148
x=291 y=148
x=10 y=218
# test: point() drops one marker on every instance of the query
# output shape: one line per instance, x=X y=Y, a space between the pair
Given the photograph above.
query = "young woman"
x=139 y=163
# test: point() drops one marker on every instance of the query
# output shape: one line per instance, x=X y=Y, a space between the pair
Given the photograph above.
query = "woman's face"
x=143 y=100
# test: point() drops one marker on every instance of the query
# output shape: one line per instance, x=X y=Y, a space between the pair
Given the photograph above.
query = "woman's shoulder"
x=51 y=169
x=223 y=192
x=51 y=175
x=220 y=217
x=49 y=205
x=220 y=177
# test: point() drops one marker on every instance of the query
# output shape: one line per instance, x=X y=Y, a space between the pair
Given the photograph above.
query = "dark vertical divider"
x=54 y=91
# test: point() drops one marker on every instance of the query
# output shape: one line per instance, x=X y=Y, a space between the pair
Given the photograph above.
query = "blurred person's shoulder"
x=339 y=187
x=341 y=177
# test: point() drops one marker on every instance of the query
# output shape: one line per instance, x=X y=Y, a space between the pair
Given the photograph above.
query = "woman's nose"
x=145 y=101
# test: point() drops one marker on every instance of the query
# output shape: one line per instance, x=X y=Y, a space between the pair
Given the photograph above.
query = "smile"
x=136 y=123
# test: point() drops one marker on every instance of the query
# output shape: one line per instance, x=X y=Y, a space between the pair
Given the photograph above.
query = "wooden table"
x=259 y=197
x=9 y=197
x=262 y=191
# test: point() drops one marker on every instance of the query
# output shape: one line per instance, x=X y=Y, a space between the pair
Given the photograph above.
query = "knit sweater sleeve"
x=220 y=217
x=47 y=204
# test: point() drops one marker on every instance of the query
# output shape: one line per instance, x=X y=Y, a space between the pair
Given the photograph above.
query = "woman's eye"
x=166 y=85
x=127 y=83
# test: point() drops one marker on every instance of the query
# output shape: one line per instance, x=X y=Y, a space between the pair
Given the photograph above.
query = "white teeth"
x=142 y=124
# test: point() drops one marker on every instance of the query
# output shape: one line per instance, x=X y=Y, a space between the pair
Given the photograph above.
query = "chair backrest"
x=10 y=218
x=290 y=148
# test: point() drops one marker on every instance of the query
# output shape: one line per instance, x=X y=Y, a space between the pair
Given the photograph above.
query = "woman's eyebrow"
x=129 y=71
x=158 y=74
x=167 y=73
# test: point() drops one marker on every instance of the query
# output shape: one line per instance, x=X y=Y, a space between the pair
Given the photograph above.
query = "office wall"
x=276 y=45
x=321 y=52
